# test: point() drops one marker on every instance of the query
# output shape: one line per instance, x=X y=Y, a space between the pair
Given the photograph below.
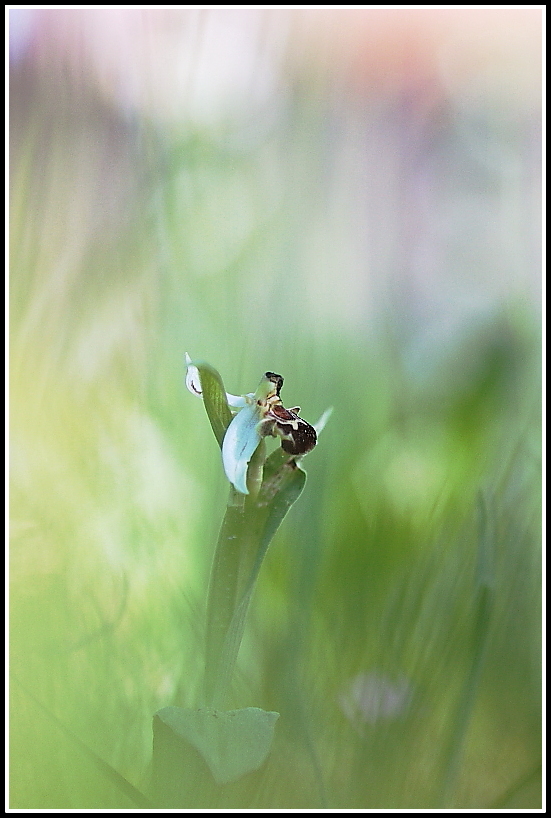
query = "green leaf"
x=280 y=472
x=214 y=397
x=233 y=743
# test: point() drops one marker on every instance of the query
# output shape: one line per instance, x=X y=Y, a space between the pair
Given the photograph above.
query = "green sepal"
x=214 y=398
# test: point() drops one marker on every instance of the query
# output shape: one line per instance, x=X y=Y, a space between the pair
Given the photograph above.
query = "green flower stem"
x=247 y=530
x=237 y=547
x=222 y=590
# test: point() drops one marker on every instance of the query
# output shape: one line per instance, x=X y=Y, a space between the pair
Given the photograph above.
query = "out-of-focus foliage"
x=353 y=200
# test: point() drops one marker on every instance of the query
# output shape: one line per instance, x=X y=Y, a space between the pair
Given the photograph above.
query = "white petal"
x=193 y=383
x=241 y=439
x=236 y=401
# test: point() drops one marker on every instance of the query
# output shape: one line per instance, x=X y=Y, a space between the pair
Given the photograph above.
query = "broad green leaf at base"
x=233 y=742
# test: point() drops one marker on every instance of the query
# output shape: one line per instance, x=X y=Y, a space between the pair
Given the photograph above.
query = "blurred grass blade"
x=523 y=794
x=126 y=788
x=483 y=598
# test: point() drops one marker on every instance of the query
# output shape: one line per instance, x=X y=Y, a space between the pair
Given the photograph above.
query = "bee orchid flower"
x=256 y=416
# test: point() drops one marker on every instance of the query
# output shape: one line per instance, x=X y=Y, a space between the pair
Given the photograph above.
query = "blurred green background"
x=353 y=199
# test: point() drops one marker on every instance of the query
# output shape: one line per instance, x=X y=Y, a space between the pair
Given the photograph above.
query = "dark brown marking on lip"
x=277 y=380
x=298 y=436
x=282 y=414
x=300 y=440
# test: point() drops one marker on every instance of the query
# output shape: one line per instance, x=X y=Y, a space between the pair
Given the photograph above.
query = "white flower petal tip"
x=240 y=442
x=236 y=401
x=193 y=381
